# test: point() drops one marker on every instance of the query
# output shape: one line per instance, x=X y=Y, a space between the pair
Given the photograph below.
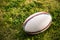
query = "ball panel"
x=33 y=15
x=40 y=31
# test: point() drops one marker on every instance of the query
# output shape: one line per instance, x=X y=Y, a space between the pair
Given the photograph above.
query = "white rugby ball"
x=37 y=23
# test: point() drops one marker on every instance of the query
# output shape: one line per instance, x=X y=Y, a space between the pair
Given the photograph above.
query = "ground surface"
x=14 y=12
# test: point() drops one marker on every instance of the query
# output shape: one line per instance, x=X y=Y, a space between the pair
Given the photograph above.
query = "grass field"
x=14 y=12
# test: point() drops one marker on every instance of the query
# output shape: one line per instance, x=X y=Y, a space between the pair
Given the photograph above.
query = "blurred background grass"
x=14 y=12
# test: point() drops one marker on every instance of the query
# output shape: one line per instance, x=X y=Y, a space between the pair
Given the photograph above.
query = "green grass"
x=14 y=12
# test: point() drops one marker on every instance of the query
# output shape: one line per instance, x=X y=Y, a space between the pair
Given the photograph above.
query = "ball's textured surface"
x=37 y=22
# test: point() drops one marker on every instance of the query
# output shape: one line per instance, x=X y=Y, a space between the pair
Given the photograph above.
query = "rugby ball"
x=37 y=23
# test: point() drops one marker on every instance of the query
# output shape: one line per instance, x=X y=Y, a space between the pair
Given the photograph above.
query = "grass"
x=14 y=12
